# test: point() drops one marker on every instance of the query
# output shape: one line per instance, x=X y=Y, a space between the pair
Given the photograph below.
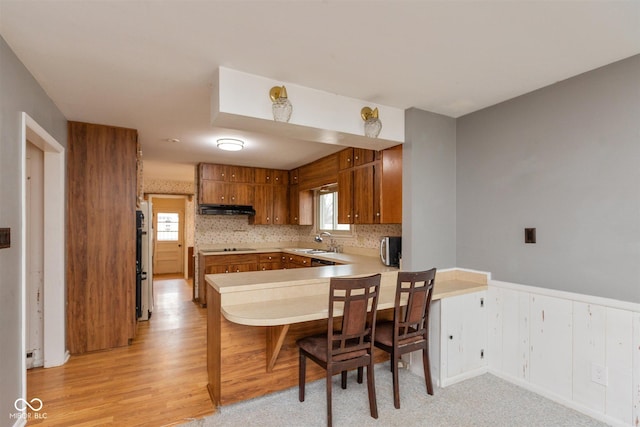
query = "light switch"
x=5 y=238
x=529 y=235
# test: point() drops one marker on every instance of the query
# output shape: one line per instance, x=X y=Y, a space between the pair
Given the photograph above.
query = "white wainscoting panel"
x=619 y=358
x=568 y=335
x=589 y=335
x=495 y=309
x=551 y=344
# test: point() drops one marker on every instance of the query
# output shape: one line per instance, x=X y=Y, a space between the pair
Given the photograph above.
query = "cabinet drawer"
x=270 y=257
x=231 y=259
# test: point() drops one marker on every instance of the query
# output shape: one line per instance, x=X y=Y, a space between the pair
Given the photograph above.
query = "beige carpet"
x=482 y=401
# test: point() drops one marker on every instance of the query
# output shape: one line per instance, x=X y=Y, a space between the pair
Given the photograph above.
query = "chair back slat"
x=356 y=300
x=412 y=320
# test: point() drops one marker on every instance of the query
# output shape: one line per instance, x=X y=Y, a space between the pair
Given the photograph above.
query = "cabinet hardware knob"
x=450 y=337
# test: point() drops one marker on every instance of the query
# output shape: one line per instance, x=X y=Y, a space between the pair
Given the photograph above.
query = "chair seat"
x=384 y=335
x=316 y=346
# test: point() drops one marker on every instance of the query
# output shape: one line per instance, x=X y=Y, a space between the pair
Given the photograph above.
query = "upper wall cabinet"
x=370 y=191
x=225 y=184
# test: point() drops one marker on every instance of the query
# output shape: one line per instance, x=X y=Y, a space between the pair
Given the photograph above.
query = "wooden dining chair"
x=350 y=346
x=409 y=330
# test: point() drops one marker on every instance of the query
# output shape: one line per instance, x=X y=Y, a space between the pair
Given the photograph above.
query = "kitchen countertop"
x=281 y=297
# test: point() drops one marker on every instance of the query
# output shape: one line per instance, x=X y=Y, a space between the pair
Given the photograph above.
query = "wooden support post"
x=275 y=337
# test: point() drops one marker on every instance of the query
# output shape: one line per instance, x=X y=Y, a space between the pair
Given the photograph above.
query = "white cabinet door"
x=464 y=337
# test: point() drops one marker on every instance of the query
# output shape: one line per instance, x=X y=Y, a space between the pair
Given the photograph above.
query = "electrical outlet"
x=599 y=374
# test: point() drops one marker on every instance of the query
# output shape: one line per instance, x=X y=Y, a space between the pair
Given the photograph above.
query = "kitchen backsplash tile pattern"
x=215 y=230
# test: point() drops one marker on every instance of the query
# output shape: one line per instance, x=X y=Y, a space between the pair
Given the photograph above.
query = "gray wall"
x=428 y=191
x=566 y=160
x=18 y=92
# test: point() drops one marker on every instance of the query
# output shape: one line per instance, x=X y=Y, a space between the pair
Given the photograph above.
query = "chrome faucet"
x=318 y=237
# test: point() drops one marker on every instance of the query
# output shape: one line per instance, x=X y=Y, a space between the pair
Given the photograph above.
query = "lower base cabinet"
x=458 y=339
x=463 y=339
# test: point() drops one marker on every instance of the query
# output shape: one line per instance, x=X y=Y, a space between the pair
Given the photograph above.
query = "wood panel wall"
x=101 y=236
x=237 y=356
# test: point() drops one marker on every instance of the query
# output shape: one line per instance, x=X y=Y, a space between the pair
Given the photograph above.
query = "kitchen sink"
x=310 y=251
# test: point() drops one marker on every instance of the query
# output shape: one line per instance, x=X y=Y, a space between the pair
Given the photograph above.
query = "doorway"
x=34 y=211
x=52 y=240
x=169 y=248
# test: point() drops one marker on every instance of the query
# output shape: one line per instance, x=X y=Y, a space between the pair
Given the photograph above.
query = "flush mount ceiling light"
x=372 y=124
x=281 y=107
x=230 y=144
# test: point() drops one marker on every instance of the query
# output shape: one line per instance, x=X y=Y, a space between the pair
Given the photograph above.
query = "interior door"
x=168 y=217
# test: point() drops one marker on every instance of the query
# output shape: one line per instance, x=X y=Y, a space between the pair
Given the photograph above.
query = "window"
x=168 y=226
x=327 y=211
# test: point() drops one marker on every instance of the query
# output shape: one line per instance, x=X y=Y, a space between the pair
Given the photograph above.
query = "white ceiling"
x=149 y=65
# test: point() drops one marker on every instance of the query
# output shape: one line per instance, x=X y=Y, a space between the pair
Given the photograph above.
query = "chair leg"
x=344 y=379
x=427 y=370
x=391 y=359
x=302 y=372
x=371 y=388
x=329 y=378
x=360 y=375
x=396 y=387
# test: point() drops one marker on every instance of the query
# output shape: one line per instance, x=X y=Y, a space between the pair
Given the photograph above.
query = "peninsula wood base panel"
x=237 y=356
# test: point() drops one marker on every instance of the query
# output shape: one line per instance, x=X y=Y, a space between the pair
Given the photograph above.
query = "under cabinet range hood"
x=226 y=210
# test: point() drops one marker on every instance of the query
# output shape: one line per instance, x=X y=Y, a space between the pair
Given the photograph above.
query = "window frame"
x=316 y=215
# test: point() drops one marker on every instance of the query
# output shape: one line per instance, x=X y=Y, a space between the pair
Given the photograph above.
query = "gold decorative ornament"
x=277 y=92
x=281 y=107
x=367 y=113
x=372 y=124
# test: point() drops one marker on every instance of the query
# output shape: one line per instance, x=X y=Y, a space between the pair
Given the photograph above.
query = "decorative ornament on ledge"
x=281 y=107
x=372 y=124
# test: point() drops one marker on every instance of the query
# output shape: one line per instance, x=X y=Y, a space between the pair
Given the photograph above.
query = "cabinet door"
x=363 y=198
x=213 y=192
x=391 y=186
x=345 y=196
x=294 y=205
x=239 y=174
x=280 y=177
x=213 y=172
x=240 y=194
x=263 y=204
x=240 y=268
x=280 y=205
x=345 y=159
x=363 y=156
x=293 y=177
x=464 y=334
x=263 y=176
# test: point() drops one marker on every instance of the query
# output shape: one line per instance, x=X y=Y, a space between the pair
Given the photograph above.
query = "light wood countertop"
x=282 y=297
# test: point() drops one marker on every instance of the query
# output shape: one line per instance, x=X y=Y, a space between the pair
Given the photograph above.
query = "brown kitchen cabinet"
x=378 y=199
x=226 y=173
x=217 y=264
x=101 y=237
x=271 y=204
x=300 y=202
x=270 y=261
x=321 y=172
x=297 y=261
x=223 y=193
x=357 y=201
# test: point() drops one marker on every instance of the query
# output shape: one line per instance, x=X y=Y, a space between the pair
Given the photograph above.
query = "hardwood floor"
x=158 y=380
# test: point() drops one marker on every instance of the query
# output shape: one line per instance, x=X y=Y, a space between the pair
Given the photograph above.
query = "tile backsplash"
x=220 y=230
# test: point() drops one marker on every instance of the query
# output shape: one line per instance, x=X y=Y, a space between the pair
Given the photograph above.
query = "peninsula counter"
x=255 y=318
